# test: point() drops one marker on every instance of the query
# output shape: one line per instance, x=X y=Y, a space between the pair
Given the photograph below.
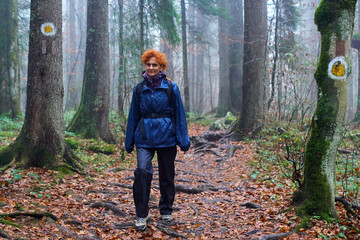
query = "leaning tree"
x=335 y=21
x=41 y=142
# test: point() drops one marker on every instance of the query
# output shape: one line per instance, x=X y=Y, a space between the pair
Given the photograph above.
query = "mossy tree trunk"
x=9 y=77
x=255 y=33
x=335 y=20
x=92 y=117
x=41 y=142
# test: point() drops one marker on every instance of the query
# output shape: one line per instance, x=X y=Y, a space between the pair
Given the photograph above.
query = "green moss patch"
x=99 y=146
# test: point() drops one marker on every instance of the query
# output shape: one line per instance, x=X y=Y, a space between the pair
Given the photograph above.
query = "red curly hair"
x=159 y=56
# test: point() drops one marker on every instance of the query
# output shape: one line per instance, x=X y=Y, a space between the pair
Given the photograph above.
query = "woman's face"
x=152 y=67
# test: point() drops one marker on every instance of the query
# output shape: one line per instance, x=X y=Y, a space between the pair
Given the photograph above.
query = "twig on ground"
x=195 y=209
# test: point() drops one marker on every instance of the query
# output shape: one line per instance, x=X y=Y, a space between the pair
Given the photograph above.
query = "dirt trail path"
x=216 y=199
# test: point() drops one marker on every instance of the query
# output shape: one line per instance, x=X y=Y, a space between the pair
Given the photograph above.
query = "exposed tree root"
x=185 y=189
x=165 y=229
x=4 y=234
x=348 y=206
x=191 y=173
x=251 y=205
x=128 y=186
x=18 y=154
x=110 y=206
x=216 y=153
x=74 y=235
x=33 y=214
x=274 y=236
x=106 y=191
x=126 y=225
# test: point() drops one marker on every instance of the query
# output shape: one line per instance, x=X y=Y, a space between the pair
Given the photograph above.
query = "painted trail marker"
x=48 y=29
x=337 y=68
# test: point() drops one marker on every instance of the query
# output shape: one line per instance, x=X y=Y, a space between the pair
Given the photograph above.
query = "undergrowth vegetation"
x=283 y=147
x=280 y=146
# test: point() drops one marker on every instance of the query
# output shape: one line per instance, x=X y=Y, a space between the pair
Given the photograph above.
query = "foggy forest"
x=270 y=90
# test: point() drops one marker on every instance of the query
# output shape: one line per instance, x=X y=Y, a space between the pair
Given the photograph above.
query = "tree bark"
x=141 y=25
x=92 y=117
x=184 y=55
x=41 y=141
x=167 y=48
x=9 y=59
x=121 y=82
x=224 y=104
x=335 y=21
x=255 y=32
x=236 y=53
x=276 y=55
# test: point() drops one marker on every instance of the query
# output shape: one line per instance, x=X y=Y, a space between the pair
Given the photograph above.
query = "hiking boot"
x=140 y=223
x=166 y=218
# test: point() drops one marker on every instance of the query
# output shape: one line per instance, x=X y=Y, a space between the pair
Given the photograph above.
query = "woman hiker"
x=156 y=123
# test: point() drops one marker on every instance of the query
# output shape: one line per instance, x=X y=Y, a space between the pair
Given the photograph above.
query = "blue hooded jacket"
x=156 y=132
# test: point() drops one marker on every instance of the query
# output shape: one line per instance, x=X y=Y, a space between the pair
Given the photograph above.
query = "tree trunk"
x=335 y=21
x=237 y=53
x=41 y=141
x=276 y=54
x=72 y=54
x=9 y=77
x=184 y=55
x=92 y=117
x=224 y=104
x=167 y=48
x=255 y=32
x=141 y=25
x=121 y=82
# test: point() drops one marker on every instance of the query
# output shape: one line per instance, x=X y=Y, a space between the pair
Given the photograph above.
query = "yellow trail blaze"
x=338 y=69
x=48 y=29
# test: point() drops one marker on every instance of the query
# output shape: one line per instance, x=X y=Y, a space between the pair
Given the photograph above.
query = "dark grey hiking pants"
x=143 y=177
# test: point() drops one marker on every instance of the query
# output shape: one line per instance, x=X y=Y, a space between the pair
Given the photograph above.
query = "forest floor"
x=217 y=198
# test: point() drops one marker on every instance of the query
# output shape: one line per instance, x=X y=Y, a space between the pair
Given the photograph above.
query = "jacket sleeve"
x=182 y=137
x=133 y=120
